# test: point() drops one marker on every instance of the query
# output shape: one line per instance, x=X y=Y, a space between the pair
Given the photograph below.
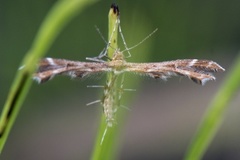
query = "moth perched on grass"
x=199 y=71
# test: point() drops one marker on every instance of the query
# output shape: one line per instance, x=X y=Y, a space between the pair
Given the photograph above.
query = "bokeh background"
x=55 y=123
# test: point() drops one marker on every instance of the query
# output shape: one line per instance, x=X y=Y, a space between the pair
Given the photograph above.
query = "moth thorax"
x=118 y=55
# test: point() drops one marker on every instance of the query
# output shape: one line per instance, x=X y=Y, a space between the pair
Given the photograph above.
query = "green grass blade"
x=214 y=115
x=62 y=12
x=112 y=31
x=108 y=150
x=105 y=149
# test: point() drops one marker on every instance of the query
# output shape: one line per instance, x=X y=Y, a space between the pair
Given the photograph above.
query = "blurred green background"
x=55 y=123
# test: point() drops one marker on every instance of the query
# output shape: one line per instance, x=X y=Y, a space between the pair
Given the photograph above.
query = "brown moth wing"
x=50 y=67
x=200 y=71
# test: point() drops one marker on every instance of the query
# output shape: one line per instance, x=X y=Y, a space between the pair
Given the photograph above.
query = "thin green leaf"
x=62 y=12
x=214 y=115
x=108 y=149
x=104 y=148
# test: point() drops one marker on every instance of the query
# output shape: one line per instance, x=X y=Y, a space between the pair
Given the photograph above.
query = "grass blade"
x=214 y=115
x=62 y=12
x=108 y=150
x=104 y=149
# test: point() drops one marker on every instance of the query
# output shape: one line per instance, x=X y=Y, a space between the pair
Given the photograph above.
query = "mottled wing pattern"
x=199 y=71
x=50 y=67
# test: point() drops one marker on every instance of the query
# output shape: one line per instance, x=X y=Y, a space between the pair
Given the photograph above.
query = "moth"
x=199 y=71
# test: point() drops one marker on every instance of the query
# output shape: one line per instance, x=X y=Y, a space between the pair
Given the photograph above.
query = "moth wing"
x=49 y=67
x=199 y=71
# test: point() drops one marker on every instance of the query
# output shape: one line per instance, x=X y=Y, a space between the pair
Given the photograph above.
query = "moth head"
x=118 y=55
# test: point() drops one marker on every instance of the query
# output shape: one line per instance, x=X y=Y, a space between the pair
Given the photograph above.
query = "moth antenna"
x=124 y=41
x=141 y=41
x=94 y=102
x=103 y=53
x=101 y=35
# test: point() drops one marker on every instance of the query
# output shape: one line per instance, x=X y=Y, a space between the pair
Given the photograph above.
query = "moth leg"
x=100 y=57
